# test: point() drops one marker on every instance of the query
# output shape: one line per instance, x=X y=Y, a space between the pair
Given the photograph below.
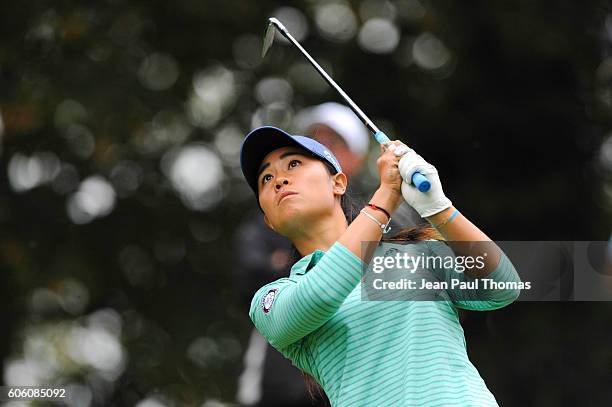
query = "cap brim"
x=259 y=143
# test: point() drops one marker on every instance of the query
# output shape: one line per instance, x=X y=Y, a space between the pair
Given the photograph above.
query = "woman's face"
x=295 y=189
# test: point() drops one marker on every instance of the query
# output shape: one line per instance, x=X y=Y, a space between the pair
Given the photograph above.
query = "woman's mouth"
x=285 y=195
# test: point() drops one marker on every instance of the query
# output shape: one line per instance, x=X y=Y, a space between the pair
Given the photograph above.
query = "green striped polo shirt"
x=376 y=353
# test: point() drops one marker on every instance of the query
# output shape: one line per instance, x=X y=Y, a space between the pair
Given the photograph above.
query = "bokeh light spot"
x=294 y=20
x=94 y=198
x=195 y=172
x=336 y=21
x=429 y=52
x=214 y=93
x=25 y=173
x=379 y=36
x=158 y=71
x=68 y=112
x=269 y=90
x=377 y=8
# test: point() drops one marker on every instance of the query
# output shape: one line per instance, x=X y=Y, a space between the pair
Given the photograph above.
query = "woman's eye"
x=266 y=178
x=294 y=163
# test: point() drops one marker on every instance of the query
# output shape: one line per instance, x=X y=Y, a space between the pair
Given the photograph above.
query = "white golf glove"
x=425 y=203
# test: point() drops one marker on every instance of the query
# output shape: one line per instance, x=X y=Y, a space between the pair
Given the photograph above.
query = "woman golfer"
x=365 y=353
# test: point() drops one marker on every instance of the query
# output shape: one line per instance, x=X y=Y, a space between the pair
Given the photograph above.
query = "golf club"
x=274 y=25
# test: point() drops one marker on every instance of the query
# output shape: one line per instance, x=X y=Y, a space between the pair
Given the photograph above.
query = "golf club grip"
x=418 y=179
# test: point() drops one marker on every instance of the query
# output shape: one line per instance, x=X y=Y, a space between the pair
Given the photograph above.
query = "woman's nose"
x=280 y=182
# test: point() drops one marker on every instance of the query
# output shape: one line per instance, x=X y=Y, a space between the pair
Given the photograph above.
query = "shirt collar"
x=306 y=263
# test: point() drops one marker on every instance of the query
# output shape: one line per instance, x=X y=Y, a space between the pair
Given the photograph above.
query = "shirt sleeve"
x=286 y=310
x=483 y=298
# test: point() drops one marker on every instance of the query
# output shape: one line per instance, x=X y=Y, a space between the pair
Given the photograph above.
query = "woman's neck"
x=321 y=235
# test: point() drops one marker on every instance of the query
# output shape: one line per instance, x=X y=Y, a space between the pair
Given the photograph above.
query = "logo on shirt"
x=268 y=300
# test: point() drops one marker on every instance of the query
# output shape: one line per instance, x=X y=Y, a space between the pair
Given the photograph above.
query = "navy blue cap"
x=263 y=140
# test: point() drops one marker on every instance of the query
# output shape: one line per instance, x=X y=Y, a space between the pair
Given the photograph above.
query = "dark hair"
x=351 y=207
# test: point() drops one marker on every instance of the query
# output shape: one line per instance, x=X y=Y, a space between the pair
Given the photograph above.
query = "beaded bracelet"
x=371 y=205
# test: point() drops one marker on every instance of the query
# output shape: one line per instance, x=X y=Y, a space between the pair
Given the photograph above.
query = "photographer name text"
x=455 y=283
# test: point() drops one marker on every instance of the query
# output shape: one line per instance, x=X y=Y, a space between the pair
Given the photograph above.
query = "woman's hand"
x=390 y=190
x=425 y=203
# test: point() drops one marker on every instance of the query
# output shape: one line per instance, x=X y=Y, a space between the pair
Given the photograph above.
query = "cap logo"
x=330 y=158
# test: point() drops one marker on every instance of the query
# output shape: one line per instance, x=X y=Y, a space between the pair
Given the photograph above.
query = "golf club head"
x=269 y=36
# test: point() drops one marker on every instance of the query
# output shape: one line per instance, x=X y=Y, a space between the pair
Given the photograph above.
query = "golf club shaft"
x=418 y=179
x=365 y=119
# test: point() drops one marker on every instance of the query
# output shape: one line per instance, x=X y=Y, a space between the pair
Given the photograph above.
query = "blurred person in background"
x=338 y=128
x=268 y=378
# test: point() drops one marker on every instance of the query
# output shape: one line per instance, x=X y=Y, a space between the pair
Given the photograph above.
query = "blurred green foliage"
x=514 y=121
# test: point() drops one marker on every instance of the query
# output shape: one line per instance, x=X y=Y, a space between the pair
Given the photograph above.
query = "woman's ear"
x=267 y=221
x=339 y=183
